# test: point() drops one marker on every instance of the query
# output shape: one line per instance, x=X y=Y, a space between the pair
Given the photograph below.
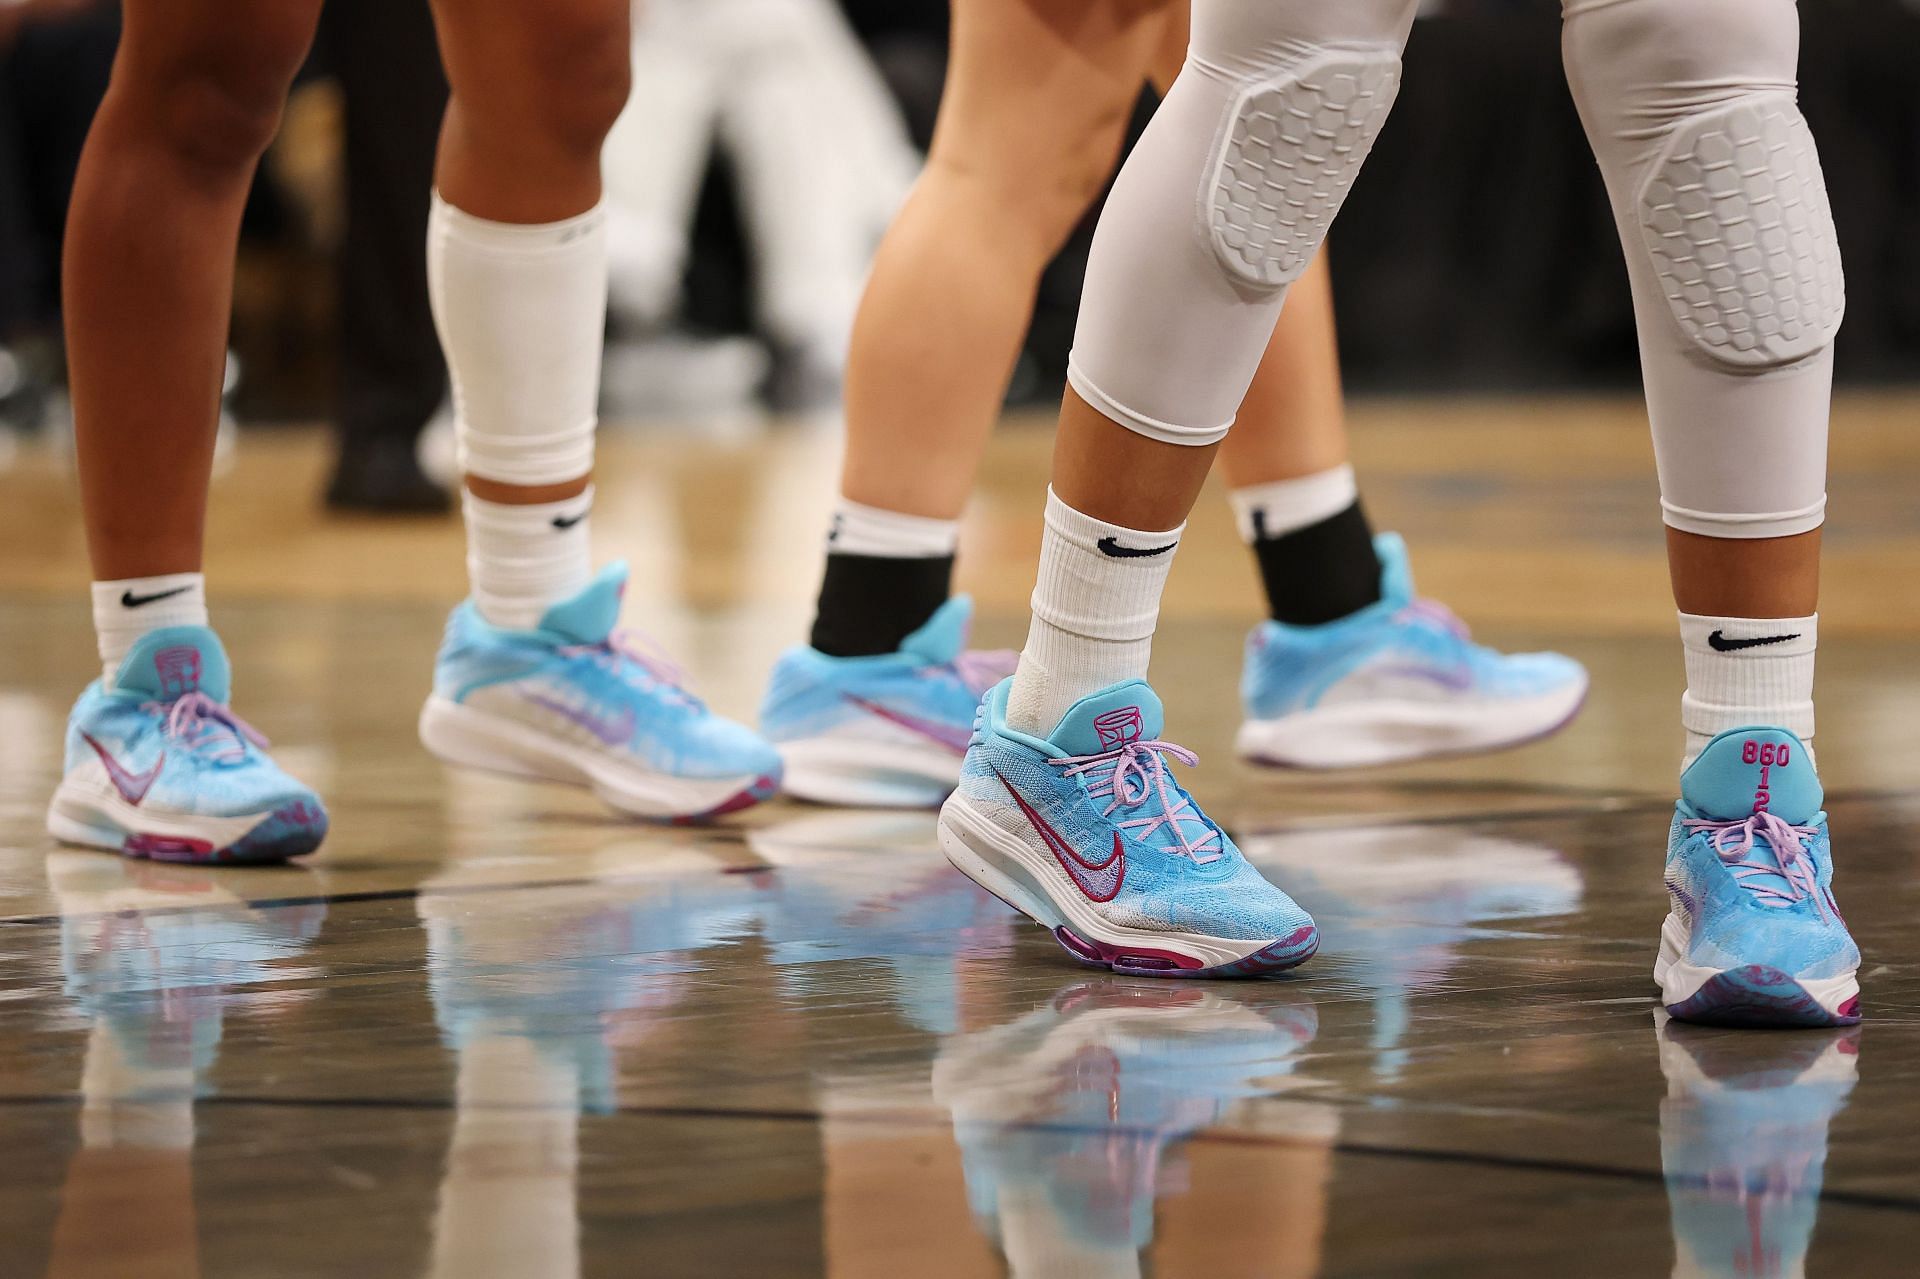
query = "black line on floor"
x=1363 y=1150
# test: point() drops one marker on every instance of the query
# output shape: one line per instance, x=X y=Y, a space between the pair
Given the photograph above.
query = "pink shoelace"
x=981 y=669
x=640 y=648
x=1139 y=771
x=199 y=722
x=1789 y=845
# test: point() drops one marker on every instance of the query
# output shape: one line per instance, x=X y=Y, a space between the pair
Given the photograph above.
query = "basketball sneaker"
x=1753 y=937
x=1087 y=832
x=575 y=701
x=1071 y=1120
x=886 y=731
x=1400 y=680
x=1743 y=1143
x=159 y=766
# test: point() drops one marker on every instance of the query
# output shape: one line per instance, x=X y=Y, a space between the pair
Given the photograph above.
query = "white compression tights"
x=1714 y=180
x=1722 y=209
x=1225 y=201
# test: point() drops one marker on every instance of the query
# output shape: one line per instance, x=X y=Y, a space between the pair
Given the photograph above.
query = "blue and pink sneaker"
x=1743 y=1143
x=1400 y=680
x=1087 y=832
x=1753 y=937
x=574 y=701
x=886 y=731
x=159 y=766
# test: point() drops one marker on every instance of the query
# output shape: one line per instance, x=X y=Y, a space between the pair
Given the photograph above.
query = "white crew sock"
x=125 y=610
x=1287 y=506
x=1094 y=613
x=1735 y=683
x=893 y=535
x=523 y=560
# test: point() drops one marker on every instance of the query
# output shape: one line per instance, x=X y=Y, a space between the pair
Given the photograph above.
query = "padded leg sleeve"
x=1716 y=187
x=1225 y=201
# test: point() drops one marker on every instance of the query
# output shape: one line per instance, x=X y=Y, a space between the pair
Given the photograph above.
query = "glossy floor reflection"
x=810 y=1048
x=491 y=1032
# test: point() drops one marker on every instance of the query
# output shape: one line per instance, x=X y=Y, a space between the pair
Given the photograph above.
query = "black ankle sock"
x=1320 y=573
x=869 y=603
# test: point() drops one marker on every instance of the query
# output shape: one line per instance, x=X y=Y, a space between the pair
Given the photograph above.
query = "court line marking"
x=1357 y=1149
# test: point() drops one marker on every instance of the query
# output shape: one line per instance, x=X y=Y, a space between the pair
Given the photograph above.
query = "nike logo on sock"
x=1108 y=546
x=129 y=600
x=565 y=522
x=1100 y=881
x=133 y=787
x=1719 y=643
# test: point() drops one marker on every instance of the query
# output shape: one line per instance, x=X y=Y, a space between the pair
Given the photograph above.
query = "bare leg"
x=1038 y=97
x=195 y=98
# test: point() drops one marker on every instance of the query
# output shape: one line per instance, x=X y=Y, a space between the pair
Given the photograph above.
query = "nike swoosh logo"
x=954 y=739
x=1100 y=881
x=133 y=787
x=1454 y=679
x=565 y=522
x=615 y=731
x=129 y=600
x=1719 y=643
x=1109 y=546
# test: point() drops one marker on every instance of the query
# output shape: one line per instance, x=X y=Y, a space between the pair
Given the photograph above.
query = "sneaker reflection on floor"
x=1743 y=1142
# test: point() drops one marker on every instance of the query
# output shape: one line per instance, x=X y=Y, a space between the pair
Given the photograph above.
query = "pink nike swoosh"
x=615 y=731
x=954 y=739
x=133 y=787
x=1100 y=881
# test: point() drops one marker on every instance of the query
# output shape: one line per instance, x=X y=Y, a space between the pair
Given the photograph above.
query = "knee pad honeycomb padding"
x=1737 y=221
x=1286 y=157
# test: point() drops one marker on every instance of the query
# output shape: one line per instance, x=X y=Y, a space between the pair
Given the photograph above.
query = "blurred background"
x=770 y=141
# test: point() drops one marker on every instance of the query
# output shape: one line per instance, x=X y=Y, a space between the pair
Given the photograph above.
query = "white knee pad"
x=1735 y=218
x=1289 y=149
x=1730 y=246
x=522 y=313
x=1225 y=201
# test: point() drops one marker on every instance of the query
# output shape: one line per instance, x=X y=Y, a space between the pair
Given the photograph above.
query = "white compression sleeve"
x=522 y=313
x=1722 y=210
x=1225 y=201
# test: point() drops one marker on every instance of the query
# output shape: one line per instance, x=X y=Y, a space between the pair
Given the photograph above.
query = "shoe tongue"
x=1109 y=719
x=1751 y=770
x=944 y=635
x=589 y=617
x=1396 y=573
x=176 y=660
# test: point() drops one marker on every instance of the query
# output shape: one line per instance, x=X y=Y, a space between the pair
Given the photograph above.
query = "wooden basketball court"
x=491 y=1031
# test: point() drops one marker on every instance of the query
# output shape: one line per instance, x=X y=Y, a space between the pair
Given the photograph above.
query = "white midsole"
x=1680 y=981
x=471 y=738
x=868 y=772
x=82 y=812
x=1032 y=882
x=1376 y=731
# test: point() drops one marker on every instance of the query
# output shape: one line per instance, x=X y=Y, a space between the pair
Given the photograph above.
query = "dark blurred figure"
x=55 y=56
x=392 y=375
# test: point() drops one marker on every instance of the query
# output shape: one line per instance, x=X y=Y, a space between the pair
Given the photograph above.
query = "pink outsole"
x=291 y=831
x=760 y=790
x=1289 y=952
x=1760 y=996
